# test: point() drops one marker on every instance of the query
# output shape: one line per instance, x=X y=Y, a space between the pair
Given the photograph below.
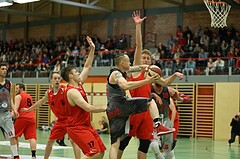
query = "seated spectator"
x=103 y=126
x=196 y=50
x=156 y=55
x=168 y=68
x=109 y=44
x=237 y=68
x=106 y=57
x=210 y=66
x=178 y=66
x=179 y=53
x=235 y=131
x=224 y=48
x=190 y=67
x=45 y=58
x=219 y=66
x=231 y=58
x=57 y=66
x=202 y=59
x=75 y=55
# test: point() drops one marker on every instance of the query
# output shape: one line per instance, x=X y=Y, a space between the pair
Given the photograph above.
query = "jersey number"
x=91 y=144
x=29 y=102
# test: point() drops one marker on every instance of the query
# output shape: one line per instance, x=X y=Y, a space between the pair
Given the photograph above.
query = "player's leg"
x=155 y=148
x=143 y=148
x=123 y=144
x=161 y=130
x=232 y=139
x=33 y=147
x=31 y=135
x=88 y=141
x=168 y=140
x=48 y=148
x=113 y=153
x=9 y=132
x=76 y=150
x=169 y=155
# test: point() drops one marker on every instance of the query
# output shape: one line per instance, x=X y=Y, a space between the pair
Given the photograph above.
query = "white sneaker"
x=33 y=157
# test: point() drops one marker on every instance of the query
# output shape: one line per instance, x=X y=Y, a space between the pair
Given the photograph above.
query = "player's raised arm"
x=89 y=61
x=138 y=22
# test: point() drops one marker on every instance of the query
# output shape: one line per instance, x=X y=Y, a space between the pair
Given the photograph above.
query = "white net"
x=219 y=12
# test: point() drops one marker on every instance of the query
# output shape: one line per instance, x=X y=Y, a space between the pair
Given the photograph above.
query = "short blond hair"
x=146 y=51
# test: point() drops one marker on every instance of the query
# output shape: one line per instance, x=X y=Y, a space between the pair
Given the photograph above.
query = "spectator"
x=103 y=126
x=57 y=66
x=178 y=66
x=202 y=59
x=190 y=67
x=219 y=66
x=168 y=68
x=170 y=42
x=235 y=124
x=196 y=50
x=237 y=68
x=45 y=58
x=224 y=48
x=210 y=66
x=156 y=55
x=231 y=58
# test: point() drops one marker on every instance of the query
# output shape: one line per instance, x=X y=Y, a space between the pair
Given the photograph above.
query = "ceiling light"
x=24 y=1
x=4 y=3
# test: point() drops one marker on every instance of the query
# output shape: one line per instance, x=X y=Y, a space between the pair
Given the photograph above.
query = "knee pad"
x=124 y=143
x=144 y=145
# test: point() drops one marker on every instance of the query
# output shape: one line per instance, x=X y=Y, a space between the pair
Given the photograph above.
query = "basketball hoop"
x=219 y=11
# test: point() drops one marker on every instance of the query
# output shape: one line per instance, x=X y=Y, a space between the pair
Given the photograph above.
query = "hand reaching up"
x=137 y=17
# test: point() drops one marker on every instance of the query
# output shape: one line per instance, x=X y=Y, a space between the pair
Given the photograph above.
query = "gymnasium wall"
x=162 y=19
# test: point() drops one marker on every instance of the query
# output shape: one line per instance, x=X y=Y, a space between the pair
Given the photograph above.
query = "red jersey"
x=75 y=114
x=26 y=102
x=143 y=91
x=57 y=103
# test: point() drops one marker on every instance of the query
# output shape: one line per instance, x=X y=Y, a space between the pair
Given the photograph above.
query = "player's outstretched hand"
x=179 y=75
x=137 y=17
x=90 y=42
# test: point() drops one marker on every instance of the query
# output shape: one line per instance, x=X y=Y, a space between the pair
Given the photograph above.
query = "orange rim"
x=217 y=2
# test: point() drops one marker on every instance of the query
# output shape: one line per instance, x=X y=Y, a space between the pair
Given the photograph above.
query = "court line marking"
x=39 y=146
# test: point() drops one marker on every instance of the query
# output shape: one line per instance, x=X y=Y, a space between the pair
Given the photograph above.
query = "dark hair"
x=21 y=85
x=3 y=64
x=54 y=73
x=66 y=71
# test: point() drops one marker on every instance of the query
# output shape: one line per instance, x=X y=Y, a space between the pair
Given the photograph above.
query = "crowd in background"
x=198 y=51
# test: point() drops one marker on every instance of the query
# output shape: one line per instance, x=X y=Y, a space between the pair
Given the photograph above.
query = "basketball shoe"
x=162 y=130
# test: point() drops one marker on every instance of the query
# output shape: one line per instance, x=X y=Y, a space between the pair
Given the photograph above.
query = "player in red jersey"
x=55 y=98
x=141 y=125
x=79 y=126
x=25 y=123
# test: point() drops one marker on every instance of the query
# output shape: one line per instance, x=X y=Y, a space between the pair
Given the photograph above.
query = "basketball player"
x=141 y=124
x=25 y=123
x=6 y=103
x=55 y=98
x=79 y=126
x=163 y=97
